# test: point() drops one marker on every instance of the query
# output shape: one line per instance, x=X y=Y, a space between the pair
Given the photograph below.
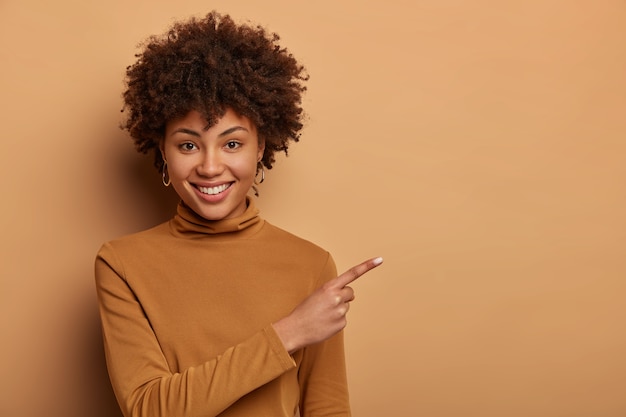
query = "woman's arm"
x=323 y=380
x=315 y=326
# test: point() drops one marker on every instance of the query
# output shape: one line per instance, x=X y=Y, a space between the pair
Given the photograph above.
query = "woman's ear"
x=261 y=150
x=162 y=149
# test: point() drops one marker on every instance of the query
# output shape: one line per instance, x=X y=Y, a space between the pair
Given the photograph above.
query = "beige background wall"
x=479 y=146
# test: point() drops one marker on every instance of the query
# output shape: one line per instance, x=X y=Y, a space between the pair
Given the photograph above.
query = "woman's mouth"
x=214 y=190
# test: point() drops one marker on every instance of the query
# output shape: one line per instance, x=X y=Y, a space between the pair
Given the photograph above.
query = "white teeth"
x=213 y=190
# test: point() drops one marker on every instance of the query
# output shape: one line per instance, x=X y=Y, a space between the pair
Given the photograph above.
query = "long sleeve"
x=322 y=373
x=141 y=377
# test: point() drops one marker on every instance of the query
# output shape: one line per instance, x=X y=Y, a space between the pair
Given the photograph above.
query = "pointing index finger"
x=356 y=271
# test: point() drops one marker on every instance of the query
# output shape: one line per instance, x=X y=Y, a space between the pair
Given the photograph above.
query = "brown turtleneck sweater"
x=186 y=311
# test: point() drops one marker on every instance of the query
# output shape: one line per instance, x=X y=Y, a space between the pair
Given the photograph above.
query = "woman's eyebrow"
x=186 y=131
x=196 y=134
x=231 y=130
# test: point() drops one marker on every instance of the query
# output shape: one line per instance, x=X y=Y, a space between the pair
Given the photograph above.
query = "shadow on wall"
x=101 y=401
x=144 y=200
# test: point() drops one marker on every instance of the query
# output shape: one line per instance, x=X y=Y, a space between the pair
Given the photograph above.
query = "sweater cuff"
x=278 y=348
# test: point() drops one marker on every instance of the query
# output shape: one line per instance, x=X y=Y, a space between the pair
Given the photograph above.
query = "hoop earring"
x=261 y=168
x=165 y=176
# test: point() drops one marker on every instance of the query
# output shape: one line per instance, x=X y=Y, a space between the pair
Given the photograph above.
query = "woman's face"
x=212 y=168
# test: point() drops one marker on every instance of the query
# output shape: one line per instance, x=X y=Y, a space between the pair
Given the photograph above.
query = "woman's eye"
x=232 y=144
x=187 y=146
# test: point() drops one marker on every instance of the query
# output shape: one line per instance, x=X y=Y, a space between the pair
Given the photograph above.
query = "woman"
x=218 y=312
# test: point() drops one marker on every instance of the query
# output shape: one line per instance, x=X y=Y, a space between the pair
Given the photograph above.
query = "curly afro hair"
x=209 y=65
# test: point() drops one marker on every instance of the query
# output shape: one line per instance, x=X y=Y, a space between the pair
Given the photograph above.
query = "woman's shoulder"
x=287 y=240
x=153 y=236
x=302 y=254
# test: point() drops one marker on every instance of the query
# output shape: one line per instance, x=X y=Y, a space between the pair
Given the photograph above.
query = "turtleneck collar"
x=186 y=223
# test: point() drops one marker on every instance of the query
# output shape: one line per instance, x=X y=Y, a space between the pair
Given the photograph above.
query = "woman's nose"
x=211 y=164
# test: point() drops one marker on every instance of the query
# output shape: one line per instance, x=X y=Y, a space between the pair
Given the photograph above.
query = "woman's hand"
x=323 y=313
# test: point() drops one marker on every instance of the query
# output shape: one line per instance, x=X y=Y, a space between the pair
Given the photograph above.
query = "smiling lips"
x=214 y=190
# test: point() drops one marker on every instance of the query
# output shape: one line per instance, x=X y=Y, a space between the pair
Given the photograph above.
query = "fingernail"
x=378 y=261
